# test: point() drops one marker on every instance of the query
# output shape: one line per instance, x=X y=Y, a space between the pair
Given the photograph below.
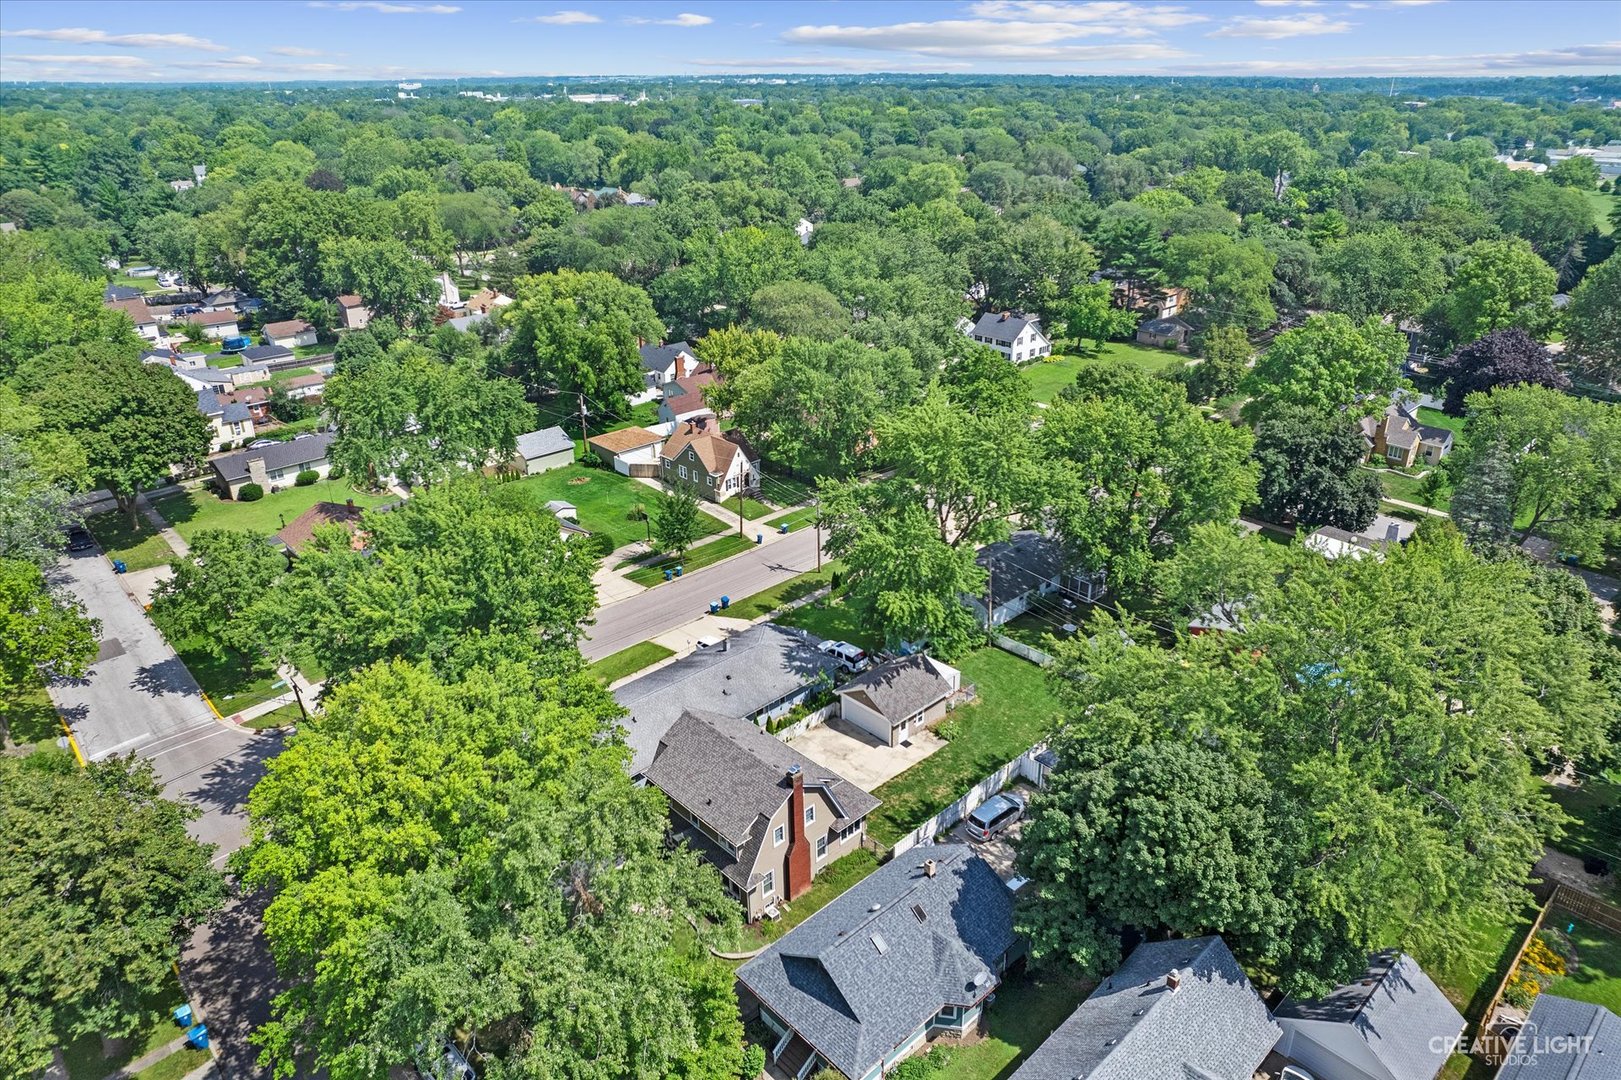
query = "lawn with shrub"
x=194 y=510
x=83 y=1056
x=232 y=682
x=141 y=548
x=27 y=716
x=1469 y=975
x=1028 y=1008
x=605 y=500
x=833 y=619
x=1594 y=969
x=766 y=601
x=1047 y=377
x=695 y=559
x=610 y=669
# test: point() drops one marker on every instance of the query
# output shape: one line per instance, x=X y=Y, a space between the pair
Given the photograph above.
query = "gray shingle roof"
x=1212 y=1026
x=306 y=451
x=1165 y=326
x=1003 y=327
x=745 y=674
x=264 y=354
x=660 y=357
x=901 y=688
x=1567 y=1040
x=1394 y=1007
x=552 y=440
x=1020 y=564
x=856 y=983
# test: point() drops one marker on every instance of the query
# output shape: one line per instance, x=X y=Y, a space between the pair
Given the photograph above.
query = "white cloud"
x=564 y=18
x=686 y=18
x=1598 y=58
x=296 y=50
x=861 y=64
x=384 y=8
x=1115 y=13
x=1284 y=26
x=80 y=35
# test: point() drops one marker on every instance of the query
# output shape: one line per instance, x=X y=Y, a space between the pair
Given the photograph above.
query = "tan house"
x=217 y=325
x=290 y=334
x=768 y=817
x=146 y=324
x=631 y=451
x=713 y=466
x=895 y=701
x=353 y=314
x=1398 y=439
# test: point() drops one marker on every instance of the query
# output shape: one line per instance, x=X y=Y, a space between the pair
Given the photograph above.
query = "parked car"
x=260 y=444
x=848 y=656
x=79 y=539
x=993 y=815
x=188 y=309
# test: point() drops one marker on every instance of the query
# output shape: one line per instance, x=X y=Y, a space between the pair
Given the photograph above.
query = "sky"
x=328 y=40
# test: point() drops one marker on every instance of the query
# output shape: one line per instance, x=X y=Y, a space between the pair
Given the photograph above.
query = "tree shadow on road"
x=165 y=677
x=223 y=787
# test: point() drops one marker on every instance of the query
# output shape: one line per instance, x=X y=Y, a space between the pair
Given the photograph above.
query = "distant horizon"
x=153 y=42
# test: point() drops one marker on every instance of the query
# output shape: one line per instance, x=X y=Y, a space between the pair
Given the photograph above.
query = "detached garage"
x=894 y=701
x=548 y=448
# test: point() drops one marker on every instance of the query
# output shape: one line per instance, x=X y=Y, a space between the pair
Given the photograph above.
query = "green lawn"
x=1028 y=1008
x=141 y=548
x=279 y=717
x=831 y=618
x=27 y=716
x=1602 y=204
x=785 y=490
x=1596 y=976
x=192 y=511
x=83 y=1055
x=802 y=518
x=178 y=1064
x=1048 y=377
x=604 y=499
x=828 y=886
x=1437 y=418
x=1411 y=489
x=1037 y=631
x=564 y=411
x=1014 y=711
x=1469 y=976
x=769 y=600
x=232 y=682
x=610 y=669
x=1595 y=822
x=701 y=556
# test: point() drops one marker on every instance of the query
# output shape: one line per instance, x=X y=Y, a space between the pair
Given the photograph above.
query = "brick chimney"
x=798 y=876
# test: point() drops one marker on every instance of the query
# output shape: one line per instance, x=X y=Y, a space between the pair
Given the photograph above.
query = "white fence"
x=1024 y=766
x=1018 y=648
x=808 y=721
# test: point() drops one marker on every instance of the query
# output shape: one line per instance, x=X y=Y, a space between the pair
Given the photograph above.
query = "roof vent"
x=880 y=944
x=917 y=910
x=876 y=907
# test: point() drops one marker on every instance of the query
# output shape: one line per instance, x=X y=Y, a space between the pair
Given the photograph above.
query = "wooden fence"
x=1585 y=906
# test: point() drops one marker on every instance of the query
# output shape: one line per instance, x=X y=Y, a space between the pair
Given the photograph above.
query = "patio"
x=860 y=758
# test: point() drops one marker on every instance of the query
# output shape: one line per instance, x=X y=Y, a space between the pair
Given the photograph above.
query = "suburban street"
x=625 y=622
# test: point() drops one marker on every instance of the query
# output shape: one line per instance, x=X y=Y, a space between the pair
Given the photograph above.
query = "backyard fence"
x=808 y=721
x=1017 y=648
x=1584 y=906
x=1025 y=766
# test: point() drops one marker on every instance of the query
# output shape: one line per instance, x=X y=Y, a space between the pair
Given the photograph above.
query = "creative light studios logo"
x=1528 y=1047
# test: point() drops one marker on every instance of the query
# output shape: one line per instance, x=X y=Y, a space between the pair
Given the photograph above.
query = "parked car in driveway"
x=993 y=815
x=79 y=539
x=848 y=656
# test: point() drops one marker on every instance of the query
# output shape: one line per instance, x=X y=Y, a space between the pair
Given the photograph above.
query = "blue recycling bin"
x=198 y=1036
x=725 y=602
x=678 y=570
x=667 y=573
x=759 y=538
x=182 y=1015
x=714 y=606
x=118 y=566
x=782 y=530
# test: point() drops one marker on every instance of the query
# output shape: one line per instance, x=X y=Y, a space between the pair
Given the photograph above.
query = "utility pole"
x=990 y=593
x=582 y=415
x=817 y=519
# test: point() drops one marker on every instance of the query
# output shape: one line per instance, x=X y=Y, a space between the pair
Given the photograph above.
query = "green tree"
x=1593 y=322
x=677 y=522
x=1136 y=468
x=1329 y=363
x=45 y=307
x=799 y=307
x=1309 y=470
x=1381 y=272
x=982 y=382
x=1221 y=568
x=170 y=241
x=493 y=875
x=578 y=333
x=101 y=886
x=1231 y=280
x=1499 y=283
x=1224 y=360
x=1092 y=314
x=1031 y=264
x=213 y=587
x=42 y=629
x=1576 y=171
x=34 y=512
x=396 y=284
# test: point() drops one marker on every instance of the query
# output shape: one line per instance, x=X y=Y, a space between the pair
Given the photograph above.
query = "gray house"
x=756 y=675
x=1391 y=1024
x=1029 y=571
x=272 y=467
x=1165 y=333
x=548 y=448
x=1180 y=1008
x=1566 y=1040
x=768 y=817
x=894 y=701
x=666 y=363
x=912 y=951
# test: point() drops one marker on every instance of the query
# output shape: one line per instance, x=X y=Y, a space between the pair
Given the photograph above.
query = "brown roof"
x=136 y=309
x=212 y=318
x=714 y=449
x=287 y=328
x=299 y=381
x=350 y=300
x=299 y=531
x=617 y=442
x=248 y=395
x=686 y=394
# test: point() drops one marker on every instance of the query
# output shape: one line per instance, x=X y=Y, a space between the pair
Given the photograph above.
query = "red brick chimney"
x=799 y=845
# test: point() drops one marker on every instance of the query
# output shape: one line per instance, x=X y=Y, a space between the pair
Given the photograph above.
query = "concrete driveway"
x=860 y=758
x=999 y=850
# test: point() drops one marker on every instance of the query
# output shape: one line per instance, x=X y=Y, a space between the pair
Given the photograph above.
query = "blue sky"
x=259 y=40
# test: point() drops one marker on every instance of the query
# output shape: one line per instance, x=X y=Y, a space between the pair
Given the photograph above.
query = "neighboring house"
x=894 y=701
x=1180 y=1008
x=146 y=324
x=1397 y=438
x=464 y=323
x=229 y=422
x=305 y=387
x=172 y=358
x=1151 y=302
x=1565 y=1040
x=487 y=300
x=116 y=293
x=290 y=334
x=298 y=532
x=1384 y=532
x=631 y=451
x=1165 y=333
x=912 y=951
x=756 y=675
x=805 y=229
x=265 y=354
x=1025 y=570
x=1013 y=334
x=768 y=817
x=223 y=380
x=182 y=185
x=217 y=325
x=450 y=296
x=709 y=464
x=548 y=448
x=1393 y=1023
x=256 y=398
x=666 y=363
x=684 y=397
x=353 y=314
x=272 y=467
x=225 y=300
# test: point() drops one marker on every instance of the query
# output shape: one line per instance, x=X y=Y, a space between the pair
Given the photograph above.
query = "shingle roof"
x=746 y=673
x=1165 y=326
x=135 y=308
x=212 y=318
x=714 y=449
x=1004 y=327
x=291 y=452
x=209 y=403
x=298 y=382
x=631 y=438
x=901 y=688
x=856 y=982
x=686 y=394
x=1588 y=1045
x=1212 y=1026
x=1395 y=1008
x=660 y=357
x=552 y=440
x=350 y=300
x=121 y=292
x=733 y=775
x=302 y=528
x=1023 y=562
x=265 y=354
x=287 y=328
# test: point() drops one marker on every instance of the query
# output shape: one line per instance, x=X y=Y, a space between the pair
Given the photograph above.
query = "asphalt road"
x=625 y=622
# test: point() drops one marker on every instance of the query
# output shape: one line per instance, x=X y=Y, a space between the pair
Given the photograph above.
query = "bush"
x=250 y=493
x=599 y=545
x=948 y=729
x=335 y=473
x=753 y=1060
x=306 y=478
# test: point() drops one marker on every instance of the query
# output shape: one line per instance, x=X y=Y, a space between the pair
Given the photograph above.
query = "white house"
x=290 y=334
x=146 y=324
x=230 y=422
x=449 y=295
x=666 y=363
x=631 y=451
x=273 y=467
x=804 y=230
x=1013 y=334
x=353 y=314
x=217 y=325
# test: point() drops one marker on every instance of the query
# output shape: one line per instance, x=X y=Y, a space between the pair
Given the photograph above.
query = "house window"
x=710 y=480
x=768 y=887
x=810 y=815
x=821 y=846
x=778 y=835
x=949 y=1015
x=1393 y=453
x=683 y=472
